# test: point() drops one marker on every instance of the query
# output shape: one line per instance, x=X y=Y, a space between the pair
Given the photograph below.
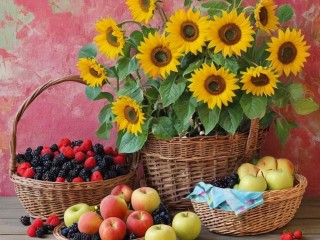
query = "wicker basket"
x=41 y=198
x=175 y=166
x=277 y=210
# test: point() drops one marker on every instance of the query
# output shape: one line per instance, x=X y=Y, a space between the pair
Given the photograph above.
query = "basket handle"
x=252 y=141
x=22 y=109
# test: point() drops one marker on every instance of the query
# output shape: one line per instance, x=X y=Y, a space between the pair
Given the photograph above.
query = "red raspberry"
x=80 y=156
x=115 y=152
x=86 y=145
x=64 y=142
x=297 y=234
x=96 y=176
x=108 y=150
x=77 y=179
x=286 y=236
x=53 y=220
x=56 y=153
x=46 y=150
x=76 y=149
x=68 y=152
x=90 y=163
x=60 y=179
x=22 y=168
x=29 y=173
x=31 y=231
x=38 y=223
x=119 y=159
x=90 y=153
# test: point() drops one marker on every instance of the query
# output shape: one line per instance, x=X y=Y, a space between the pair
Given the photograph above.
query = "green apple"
x=253 y=183
x=247 y=168
x=285 y=164
x=160 y=231
x=187 y=225
x=265 y=163
x=278 y=179
x=74 y=212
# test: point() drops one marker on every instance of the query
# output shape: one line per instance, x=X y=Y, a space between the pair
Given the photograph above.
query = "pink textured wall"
x=39 y=41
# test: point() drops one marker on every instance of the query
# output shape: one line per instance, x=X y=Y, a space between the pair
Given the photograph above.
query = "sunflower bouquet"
x=215 y=64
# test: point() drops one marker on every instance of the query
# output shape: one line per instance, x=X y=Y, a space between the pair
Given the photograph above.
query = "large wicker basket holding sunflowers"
x=220 y=63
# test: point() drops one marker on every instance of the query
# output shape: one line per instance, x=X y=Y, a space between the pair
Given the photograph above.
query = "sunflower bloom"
x=91 y=72
x=212 y=86
x=288 y=52
x=110 y=41
x=142 y=10
x=230 y=33
x=129 y=115
x=157 y=56
x=259 y=81
x=265 y=16
x=188 y=31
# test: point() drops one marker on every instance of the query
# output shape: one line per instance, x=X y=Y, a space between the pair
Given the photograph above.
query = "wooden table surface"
x=307 y=219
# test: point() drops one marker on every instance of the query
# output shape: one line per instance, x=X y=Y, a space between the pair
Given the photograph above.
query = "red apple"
x=89 y=222
x=113 y=206
x=138 y=222
x=123 y=191
x=145 y=199
x=129 y=211
x=112 y=228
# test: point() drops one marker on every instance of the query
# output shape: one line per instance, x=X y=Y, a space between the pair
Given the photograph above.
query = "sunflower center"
x=161 y=56
x=112 y=40
x=230 y=34
x=215 y=85
x=261 y=80
x=131 y=115
x=287 y=52
x=145 y=5
x=94 y=72
x=190 y=31
x=263 y=16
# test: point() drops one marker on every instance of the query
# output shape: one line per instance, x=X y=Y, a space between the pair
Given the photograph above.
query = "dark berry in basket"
x=72 y=230
x=40 y=232
x=95 y=237
x=47 y=228
x=38 y=176
x=220 y=182
x=47 y=157
x=108 y=159
x=112 y=173
x=20 y=158
x=25 y=220
x=48 y=176
x=98 y=148
x=63 y=173
x=64 y=231
x=54 y=147
x=76 y=143
x=122 y=170
x=161 y=215
x=132 y=236
x=28 y=156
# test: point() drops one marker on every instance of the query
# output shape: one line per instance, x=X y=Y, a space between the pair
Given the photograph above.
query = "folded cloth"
x=227 y=199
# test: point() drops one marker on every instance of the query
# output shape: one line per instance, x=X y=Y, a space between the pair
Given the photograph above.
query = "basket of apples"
x=127 y=214
x=282 y=191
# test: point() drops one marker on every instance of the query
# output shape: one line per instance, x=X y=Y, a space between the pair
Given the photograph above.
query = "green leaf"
x=187 y=3
x=281 y=96
x=232 y=64
x=194 y=65
x=129 y=143
x=130 y=85
x=105 y=114
x=282 y=129
x=267 y=120
x=296 y=91
x=230 y=118
x=88 y=51
x=305 y=106
x=104 y=129
x=94 y=93
x=285 y=13
x=135 y=38
x=170 y=91
x=111 y=72
x=253 y=106
x=184 y=107
x=125 y=66
x=163 y=128
x=209 y=117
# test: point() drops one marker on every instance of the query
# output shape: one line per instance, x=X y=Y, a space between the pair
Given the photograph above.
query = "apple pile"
x=129 y=214
x=268 y=173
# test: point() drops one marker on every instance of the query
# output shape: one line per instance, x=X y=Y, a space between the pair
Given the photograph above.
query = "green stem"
x=249 y=61
x=162 y=15
x=129 y=21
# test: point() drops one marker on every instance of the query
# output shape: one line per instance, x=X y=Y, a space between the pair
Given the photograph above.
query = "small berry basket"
x=278 y=209
x=42 y=198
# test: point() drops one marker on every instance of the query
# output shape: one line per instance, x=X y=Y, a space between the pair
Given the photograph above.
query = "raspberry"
x=76 y=149
x=64 y=142
x=108 y=150
x=90 y=163
x=80 y=156
x=286 y=236
x=37 y=223
x=86 y=145
x=31 y=231
x=119 y=159
x=96 y=176
x=60 y=179
x=115 y=152
x=68 y=152
x=25 y=220
x=22 y=168
x=29 y=173
x=90 y=153
x=46 y=150
x=77 y=179
x=297 y=234
x=53 y=220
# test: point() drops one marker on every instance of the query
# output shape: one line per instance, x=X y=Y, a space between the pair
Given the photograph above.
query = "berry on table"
x=297 y=234
x=25 y=220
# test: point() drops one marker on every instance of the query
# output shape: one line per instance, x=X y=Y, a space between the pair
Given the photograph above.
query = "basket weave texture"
x=278 y=209
x=42 y=198
x=175 y=166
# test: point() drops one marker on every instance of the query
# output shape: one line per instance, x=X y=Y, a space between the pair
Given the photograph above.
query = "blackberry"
x=39 y=149
x=63 y=173
x=61 y=157
x=67 y=166
x=132 y=236
x=47 y=157
x=25 y=220
x=73 y=173
x=48 y=176
x=111 y=174
x=95 y=237
x=234 y=176
x=76 y=143
x=122 y=170
x=58 y=162
x=161 y=215
x=81 y=236
x=72 y=230
x=99 y=157
x=20 y=158
x=102 y=164
x=98 y=148
x=220 y=182
x=54 y=147
x=28 y=156
x=47 y=166
x=38 y=176
x=64 y=231
x=97 y=168
x=35 y=153
x=108 y=159
x=36 y=162
x=38 y=169
x=55 y=170
x=47 y=228
x=40 y=232
x=85 y=174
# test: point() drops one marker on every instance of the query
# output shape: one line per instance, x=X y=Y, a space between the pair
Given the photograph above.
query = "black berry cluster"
x=226 y=182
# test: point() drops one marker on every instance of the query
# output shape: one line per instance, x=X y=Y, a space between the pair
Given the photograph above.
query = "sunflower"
x=110 y=41
x=91 y=71
x=259 y=81
x=288 y=52
x=212 y=86
x=230 y=33
x=142 y=10
x=265 y=16
x=129 y=114
x=187 y=30
x=157 y=56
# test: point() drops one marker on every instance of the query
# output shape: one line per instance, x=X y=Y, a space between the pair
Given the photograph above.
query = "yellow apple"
x=247 y=168
x=286 y=164
x=266 y=163
x=278 y=179
x=253 y=183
